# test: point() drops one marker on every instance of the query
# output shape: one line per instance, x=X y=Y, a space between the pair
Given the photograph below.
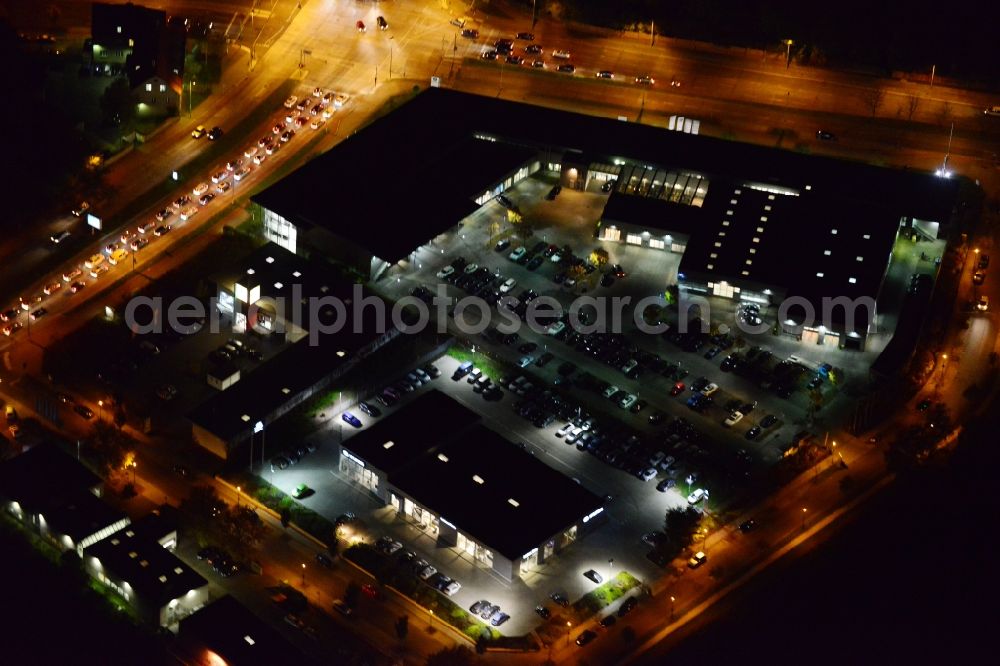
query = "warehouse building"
x=469 y=488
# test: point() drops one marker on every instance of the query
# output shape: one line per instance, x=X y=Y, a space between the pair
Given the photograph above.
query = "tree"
x=481 y=643
x=202 y=507
x=599 y=257
x=117 y=104
x=680 y=524
x=245 y=528
x=402 y=627
x=108 y=447
x=912 y=103
x=458 y=655
x=873 y=98
x=286 y=516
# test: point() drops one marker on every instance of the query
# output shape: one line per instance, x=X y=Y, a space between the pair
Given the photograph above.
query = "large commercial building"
x=467 y=487
x=752 y=223
x=275 y=294
x=58 y=498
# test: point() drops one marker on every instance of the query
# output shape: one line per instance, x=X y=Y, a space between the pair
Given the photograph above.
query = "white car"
x=629 y=400
x=574 y=435
x=733 y=418
x=340 y=99
x=562 y=432
x=610 y=391
x=220 y=176
x=290 y=102
x=200 y=189
x=698 y=495
x=223 y=187
x=471 y=268
x=242 y=173
x=452 y=587
x=445 y=272
x=517 y=253
x=508 y=284
x=259 y=159
x=556 y=257
x=146 y=228
x=648 y=474
x=526 y=361
x=630 y=366
x=556 y=328
x=710 y=389
x=562 y=55
x=189 y=212
x=316 y=124
x=427 y=572
x=72 y=275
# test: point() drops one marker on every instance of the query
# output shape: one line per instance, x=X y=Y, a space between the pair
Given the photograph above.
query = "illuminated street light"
x=788 y=52
x=303 y=574
x=804 y=512
x=238 y=491
x=569 y=627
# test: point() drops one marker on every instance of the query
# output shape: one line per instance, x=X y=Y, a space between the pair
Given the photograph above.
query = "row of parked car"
x=220 y=561
x=417 y=566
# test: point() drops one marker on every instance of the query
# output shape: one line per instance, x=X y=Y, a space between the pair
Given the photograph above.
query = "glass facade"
x=358 y=473
x=279 y=230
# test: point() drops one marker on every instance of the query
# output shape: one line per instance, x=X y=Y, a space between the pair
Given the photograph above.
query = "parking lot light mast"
x=303 y=574
x=672 y=600
x=569 y=628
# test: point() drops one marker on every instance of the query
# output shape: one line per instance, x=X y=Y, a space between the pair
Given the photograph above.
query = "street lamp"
x=135 y=463
x=569 y=627
x=804 y=512
x=788 y=52
x=238 y=491
x=303 y=574
x=100 y=405
x=672 y=600
x=430 y=618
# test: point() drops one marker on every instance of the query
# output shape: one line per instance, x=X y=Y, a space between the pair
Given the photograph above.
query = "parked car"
x=351 y=419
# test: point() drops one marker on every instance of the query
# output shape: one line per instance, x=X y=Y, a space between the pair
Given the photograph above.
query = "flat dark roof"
x=496 y=492
x=652 y=213
x=301 y=365
x=422 y=425
x=395 y=184
x=156 y=574
x=80 y=514
x=44 y=473
x=239 y=637
x=439 y=446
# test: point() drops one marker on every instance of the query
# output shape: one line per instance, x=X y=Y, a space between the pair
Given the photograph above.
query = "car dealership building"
x=469 y=488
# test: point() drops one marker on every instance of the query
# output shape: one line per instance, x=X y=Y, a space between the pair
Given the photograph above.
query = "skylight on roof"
x=278 y=285
x=478 y=479
x=249 y=640
x=513 y=502
x=388 y=445
x=296 y=274
x=867 y=236
x=163 y=579
x=270 y=260
x=286 y=390
x=178 y=570
x=860 y=258
x=852 y=280
x=826 y=253
x=250 y=271
x=341 y=353
x=442 y=457
x=819 y=275
x=245 y=418
x=833 y=231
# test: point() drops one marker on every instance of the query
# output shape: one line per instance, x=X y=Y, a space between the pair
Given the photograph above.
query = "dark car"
x=215 y=133
x=585 y=637
x=748 y=525
x=535 y=263
x=543 y=612
x=352 y=419
x=556 y=189
x=568 y=69
x=84 y=411
x=607 y=280
x=526 y=36
x=502 y=245
x=753 y=433
x=627 y=606
x=380 y=21
x=823 y=135
x=370 y=410
x=478 y=607
x=560 y=599
x=324 y=560
x=608 y=620
x=534 y=49
x=527 y=347
x=470 y=34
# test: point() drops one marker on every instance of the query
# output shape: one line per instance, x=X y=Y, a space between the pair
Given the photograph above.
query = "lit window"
x=760 y=230
x=826 y=252
x=163 y=88
x=278 y=285
x=389 y=444
x=341 y=353
x=133 y=554
x=732 y=201
x=756 y=239
x=763 y=218
x=809 y=187
x=296 y=274
x=714 y=255
x=749 y=262
x=119 y=30
x=478 y=479
x=729 y=212
x=163 y=579
x=245 y=418
x=767 y=207
x=833 y=231
x=249 y=640
x=718 y=244
x=753 y=250
x=710 y=266
x=269 y=260
x=178 y=570
x=250 y=271
x=852 y=280
x=149 y=87
x=744 y=272
x=770 y=197
x=819 y=275
x=722 y=233
x=286 y=390
x=513 y=502
x=867 y=236
x=129 y=533
x=737 y=191
x=725 y=223
x=442 y=457
x=860 y=258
